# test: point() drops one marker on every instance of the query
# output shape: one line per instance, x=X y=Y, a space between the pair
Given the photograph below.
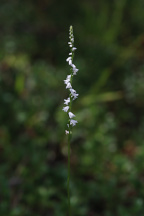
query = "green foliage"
x=107 y=145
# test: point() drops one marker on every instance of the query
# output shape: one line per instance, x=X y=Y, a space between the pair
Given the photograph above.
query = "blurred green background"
x=107 y=149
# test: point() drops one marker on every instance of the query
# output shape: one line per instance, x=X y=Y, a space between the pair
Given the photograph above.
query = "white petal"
x=75 y=70
x=75 y=96
x=74 y=48
x=73 y=66
x=68 y=85
x=65 y=109
x=68 y=77
x=73 y=122
x=71 y=115
x=68 y=59
x=72 y=91
x=70 y=62
x=66 y=81
x=67 y=101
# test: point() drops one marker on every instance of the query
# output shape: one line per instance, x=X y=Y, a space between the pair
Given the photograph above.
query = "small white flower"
x=72 y=91
x=75 y=96
x=68 y=59
x=66 y=132
x=67 y=101
x=65 y=109
x=70 y=53
x=67 y=79
x=73 y=122
x=70 y=62
x=68 y=85
x=73 y=66
x=71 y=115
x=74 y=48
x=75 y=70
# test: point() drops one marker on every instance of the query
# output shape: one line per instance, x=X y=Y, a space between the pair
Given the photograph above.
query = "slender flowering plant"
x=68 y=103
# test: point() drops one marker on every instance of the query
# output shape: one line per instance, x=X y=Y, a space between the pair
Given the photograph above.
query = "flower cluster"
x=72 y=93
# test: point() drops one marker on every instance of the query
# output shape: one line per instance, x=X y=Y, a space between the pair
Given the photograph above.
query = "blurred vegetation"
x=107 y=151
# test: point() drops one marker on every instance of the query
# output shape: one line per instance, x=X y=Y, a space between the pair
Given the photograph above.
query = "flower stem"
x=68 y=178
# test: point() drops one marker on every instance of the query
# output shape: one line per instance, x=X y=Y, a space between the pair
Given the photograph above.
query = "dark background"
x=107 y=151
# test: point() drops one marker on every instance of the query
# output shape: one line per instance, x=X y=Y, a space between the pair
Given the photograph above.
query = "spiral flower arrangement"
x=68 y=104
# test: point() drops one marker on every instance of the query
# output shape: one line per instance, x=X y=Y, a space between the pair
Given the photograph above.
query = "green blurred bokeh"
x=107 y=151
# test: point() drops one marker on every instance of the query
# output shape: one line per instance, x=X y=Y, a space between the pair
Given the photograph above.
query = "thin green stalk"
x=68 y=178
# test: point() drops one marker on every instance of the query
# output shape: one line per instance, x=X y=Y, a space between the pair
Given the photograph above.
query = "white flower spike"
x=68 y=81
